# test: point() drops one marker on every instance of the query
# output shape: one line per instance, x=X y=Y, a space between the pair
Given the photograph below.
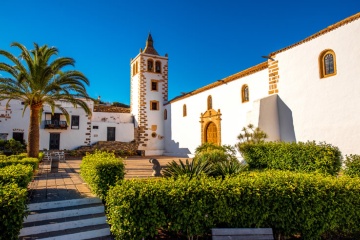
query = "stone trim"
x=208 y=117
x=273 y=76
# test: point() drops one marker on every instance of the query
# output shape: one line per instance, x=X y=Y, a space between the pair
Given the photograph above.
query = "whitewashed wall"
x=183 y=134
x=324 y=109
x=123 y=123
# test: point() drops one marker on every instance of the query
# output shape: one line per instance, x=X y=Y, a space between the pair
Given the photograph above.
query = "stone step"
x=64 y=203
x=63 y=214
x=82 y=218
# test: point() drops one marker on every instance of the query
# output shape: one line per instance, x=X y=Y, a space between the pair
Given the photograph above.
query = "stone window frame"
x=158 y=66
x=184 y=110
x=245 y=93
x=156 y=84
x=150 y=67
x=154 y=105
x=322 y=63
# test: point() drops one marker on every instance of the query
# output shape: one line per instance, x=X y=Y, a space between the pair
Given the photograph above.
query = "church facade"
x=307 y=91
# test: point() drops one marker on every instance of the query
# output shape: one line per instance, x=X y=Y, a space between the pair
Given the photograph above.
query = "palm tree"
x=36 y=78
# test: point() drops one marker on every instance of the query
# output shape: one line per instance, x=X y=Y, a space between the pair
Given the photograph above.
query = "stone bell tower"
x=149 y=93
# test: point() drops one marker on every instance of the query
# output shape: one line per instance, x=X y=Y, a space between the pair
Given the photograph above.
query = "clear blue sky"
x=206 y=40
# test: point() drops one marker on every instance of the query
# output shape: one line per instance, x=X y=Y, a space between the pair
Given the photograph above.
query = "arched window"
x=245 y=93
x=133 y=69
x=209 y=102
x=165 y=114
x=150 y=65
x=184 y=110
x=327 y=63
x=158 y=67
x=136 y=67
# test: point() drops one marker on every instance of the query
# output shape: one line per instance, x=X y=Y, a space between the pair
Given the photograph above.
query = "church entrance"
x=211 y=133
x=211 y=127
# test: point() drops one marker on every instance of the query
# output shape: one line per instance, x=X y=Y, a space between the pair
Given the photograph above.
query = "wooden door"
x=110 y=134
x=211 y=133
x=54 y=143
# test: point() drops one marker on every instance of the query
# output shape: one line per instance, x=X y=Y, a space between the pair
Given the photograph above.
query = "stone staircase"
x=82 y=218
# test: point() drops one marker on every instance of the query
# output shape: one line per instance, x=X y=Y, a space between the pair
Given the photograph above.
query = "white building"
x=307 y=91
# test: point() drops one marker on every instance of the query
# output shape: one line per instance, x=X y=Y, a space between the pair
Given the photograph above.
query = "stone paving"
x=62 y=181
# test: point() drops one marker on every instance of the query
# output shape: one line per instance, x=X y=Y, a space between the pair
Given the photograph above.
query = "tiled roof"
x=320 y=33
x=231 y=78
x=113 y=109
x=149 y=48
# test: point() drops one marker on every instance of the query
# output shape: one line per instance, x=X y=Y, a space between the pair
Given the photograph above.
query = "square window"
x=75 y=122
x=154 y=105
x=154 y=86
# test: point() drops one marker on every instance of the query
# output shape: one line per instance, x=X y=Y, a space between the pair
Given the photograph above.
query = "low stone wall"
x=120 y=148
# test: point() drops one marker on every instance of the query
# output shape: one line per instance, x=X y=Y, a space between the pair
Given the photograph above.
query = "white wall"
x=183 y=134
x=324 y=109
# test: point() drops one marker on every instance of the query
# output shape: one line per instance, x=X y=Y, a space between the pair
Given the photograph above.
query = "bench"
x=242 y=233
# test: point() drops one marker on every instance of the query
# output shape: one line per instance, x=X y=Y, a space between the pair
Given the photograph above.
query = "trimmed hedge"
x=352 y=165
x=33 y=162
x=302 y=157
x=101 y=170
x=291 y=203
x=12 y=210
x=19 y=174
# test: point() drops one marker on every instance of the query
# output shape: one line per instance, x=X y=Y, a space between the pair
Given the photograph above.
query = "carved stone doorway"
x=211 y=127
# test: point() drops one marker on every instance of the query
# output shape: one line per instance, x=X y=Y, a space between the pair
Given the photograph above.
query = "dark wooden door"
x=110 y=134
x=54 y=143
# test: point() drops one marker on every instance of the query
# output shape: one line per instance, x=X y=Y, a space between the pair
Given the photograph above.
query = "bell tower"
x=149 y=93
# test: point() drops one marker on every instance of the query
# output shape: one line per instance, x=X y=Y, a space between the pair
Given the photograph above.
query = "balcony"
x=50 y=124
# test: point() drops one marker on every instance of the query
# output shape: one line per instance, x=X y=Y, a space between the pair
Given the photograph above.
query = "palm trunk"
x=34 y=128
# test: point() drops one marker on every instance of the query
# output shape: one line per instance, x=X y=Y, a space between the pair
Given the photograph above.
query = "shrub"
x=14 y=146
x=191 y=169
x=291 y=203
x=213 y=153
x=19 y=174
x=34 y=162
x=352 y=165
x=250 y=134
x=228 y=168
x=101 y=170
x=12 y=210
x=304 y=157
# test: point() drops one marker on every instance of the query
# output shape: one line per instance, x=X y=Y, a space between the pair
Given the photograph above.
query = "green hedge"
x=352 y=165
x=20 y=174
x=291 y=203
x=33 y=162
x=101 y=170
x=12 y=210
x=303 y=157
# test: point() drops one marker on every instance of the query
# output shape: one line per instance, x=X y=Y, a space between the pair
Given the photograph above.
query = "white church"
x=306 y=91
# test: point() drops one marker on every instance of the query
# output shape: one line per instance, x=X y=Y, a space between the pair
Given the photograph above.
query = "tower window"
x=150 y=65
x=154 y=85
x=245 y=93
x=209 y=102
x=184 y=110
x=154 y=105
x=158 y=67
x=165 y=114
x=136 y=67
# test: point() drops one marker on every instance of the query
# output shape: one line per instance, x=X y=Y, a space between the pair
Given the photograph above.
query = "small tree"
x=250 y=135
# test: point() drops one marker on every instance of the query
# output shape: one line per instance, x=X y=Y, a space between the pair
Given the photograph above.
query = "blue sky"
x=205 y=40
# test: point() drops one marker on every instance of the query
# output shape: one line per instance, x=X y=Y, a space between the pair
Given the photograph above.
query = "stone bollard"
x=156 y=167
